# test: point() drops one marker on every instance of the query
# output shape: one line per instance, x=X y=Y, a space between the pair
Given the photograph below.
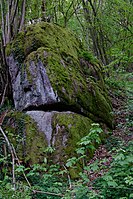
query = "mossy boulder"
x=33 y=132
x=62 y=131
x=50 y=71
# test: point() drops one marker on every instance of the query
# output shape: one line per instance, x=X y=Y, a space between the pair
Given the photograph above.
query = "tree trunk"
x=95 y=32
x=12 y=21
x=23 y=15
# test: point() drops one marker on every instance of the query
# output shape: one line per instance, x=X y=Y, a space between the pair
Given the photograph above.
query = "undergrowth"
x=54 y=181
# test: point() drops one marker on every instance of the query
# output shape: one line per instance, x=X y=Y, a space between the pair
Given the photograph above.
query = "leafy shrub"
x=118 y=181
x=7 y=191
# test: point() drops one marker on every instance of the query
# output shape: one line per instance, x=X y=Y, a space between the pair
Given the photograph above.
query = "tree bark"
x=22 y=15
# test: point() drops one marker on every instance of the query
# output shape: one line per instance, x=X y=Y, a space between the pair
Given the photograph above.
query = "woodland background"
x=105 y=28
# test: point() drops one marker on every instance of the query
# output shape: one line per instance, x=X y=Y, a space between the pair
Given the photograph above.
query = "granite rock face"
x=44 y=123
x=25 y=93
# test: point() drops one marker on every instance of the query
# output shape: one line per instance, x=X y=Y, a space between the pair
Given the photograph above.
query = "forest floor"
x=122 y=100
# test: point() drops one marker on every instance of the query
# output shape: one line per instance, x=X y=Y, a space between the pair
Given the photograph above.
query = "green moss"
x=16 y=47
x=74 y=172
x=71 y=127
x=43 y=35
x=74 y=73
x=97 y=105
x=88 y=56
x=35 y=142
x=8 y=50
x=28 y=141
x=61 y=72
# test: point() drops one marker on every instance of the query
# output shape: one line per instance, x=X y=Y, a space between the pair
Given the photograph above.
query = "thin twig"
x=2 y=117
x=48 y=193
x=12 y=154
x=17 y=159
x=69 y=179
x=3 y=96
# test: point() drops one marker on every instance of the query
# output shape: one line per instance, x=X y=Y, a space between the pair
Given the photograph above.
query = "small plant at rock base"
x=87 y=145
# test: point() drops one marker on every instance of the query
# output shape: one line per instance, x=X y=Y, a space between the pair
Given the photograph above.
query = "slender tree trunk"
x=95 y=32
x=3 y=23
x=44 y=18
x=23 y=15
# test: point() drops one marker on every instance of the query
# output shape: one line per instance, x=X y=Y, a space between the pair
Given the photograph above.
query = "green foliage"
x=113 y=34
x=87 y=145
x=117 y=182
x=8 y=105
x=7 y=191
x=49 y=178
x=89 y=56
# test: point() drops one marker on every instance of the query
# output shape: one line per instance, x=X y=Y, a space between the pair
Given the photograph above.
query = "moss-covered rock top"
x=50 y=36
x=50 y=70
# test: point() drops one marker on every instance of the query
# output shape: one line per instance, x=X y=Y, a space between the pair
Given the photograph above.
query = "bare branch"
x=17 y=159
x=14 y=8
x=3 y=96
x=3 y=24
x=48 y=193
x=69 y=179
